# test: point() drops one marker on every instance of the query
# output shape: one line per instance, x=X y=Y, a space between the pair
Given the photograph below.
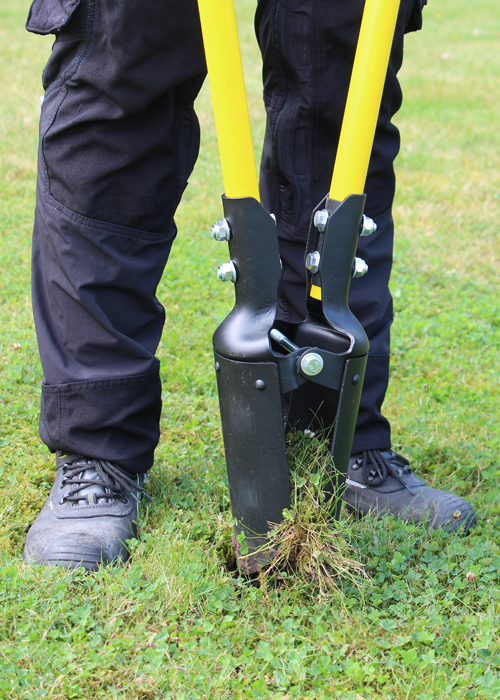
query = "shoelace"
x=376 y=468
x=111 y=478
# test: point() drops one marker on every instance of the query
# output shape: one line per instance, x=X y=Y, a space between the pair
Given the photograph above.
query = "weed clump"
x=309 y=545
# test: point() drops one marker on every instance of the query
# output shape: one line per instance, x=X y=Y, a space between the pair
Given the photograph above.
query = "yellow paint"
x=315 y=292
x=229 y=101
x=365 y=94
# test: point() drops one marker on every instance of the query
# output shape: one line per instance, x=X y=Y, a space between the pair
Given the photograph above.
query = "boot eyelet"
x=124 y=500
x=62 y=501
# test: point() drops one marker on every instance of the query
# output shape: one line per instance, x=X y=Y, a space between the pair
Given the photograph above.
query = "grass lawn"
x=176 y=622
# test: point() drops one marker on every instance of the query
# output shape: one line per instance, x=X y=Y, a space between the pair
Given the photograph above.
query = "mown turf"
x=177 y=622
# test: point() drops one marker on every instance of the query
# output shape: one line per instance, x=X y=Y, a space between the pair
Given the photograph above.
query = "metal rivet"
x=355 y=379
x=260 y=385
x=217 y=367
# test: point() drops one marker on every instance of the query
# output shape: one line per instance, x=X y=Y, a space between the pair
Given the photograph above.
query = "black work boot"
x=88 y=516
x=381 y=481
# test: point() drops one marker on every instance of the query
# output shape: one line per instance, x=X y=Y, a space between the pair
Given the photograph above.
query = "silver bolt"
x=368 y=226
x=321 y=219
x=227 y=272
x=312 y=261
x=221 y=231
x=311 y=364
x=359 y=268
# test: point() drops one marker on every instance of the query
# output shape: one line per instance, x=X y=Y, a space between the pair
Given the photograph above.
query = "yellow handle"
x=363 y=101
x=232 y=122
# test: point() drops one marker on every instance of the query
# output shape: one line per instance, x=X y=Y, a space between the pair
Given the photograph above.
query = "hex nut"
x=359 y=268
x=312 y=261
x=227 y=272
x=321 y=219
x=221 y=231
x=368 y=226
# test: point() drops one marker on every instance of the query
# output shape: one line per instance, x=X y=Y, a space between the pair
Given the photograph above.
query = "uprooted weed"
x=309 y=546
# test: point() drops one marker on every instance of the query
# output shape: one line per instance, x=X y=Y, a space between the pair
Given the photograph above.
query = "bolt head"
x=221 y=231
x=321 y=219
x=359 y=268
x=311 y=364
x=368 y=226
x=227 y=272
x=312 y=261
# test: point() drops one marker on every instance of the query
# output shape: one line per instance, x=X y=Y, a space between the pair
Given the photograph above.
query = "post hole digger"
x=119 y=139
x=319 y=363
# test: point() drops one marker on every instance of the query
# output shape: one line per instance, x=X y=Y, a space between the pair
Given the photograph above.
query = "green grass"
x=175 y=622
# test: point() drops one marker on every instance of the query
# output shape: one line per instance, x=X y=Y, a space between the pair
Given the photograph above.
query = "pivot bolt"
x=227 y=272
x=221 y=231
x=311 y=364
x=312 y=261
x=321 y=219
x=368 y=226
x=359 y=268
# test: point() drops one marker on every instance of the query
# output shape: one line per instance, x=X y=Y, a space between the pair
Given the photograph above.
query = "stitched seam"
x=383 y=216
x=59 y=418
x=282 y=298
x=103 y=225
x=85 y=50
x=48 y=388
x=45 y=173
x=61 y=83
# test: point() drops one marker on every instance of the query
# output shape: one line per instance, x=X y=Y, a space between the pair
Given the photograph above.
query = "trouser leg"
x=308 y=49
x=118 y=140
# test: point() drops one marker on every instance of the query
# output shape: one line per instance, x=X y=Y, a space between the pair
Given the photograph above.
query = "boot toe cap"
x=75 y=550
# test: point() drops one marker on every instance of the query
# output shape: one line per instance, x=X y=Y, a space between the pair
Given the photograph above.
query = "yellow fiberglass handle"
x=363 y=101
x=232 y=122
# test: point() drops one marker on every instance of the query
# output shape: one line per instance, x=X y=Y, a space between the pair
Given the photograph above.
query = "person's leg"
x=118 y=140
x=308 y=49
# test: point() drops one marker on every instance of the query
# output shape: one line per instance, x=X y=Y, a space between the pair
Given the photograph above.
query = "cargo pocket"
x=49 y=16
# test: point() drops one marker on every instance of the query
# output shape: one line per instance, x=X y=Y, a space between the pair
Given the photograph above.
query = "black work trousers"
x=118 y=140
